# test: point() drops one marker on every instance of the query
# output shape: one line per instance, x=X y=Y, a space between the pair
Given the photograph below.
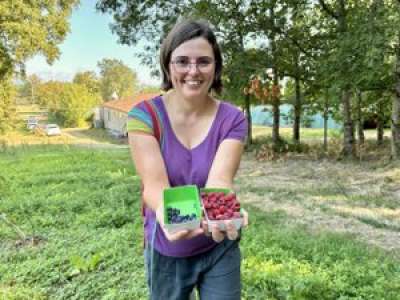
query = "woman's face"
x=192 y=68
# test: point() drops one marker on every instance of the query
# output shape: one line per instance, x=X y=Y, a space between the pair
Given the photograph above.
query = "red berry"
x=220 y=217
x=236 y=215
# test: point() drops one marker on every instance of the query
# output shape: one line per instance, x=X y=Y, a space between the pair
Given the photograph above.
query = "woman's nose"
x=193 y=68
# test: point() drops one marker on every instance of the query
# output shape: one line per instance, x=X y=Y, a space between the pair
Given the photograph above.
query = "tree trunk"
x=380 y=122
x=360 y=121
x=275 y=99
x=276 y=115
x=348 y=130
x=326 y=116
x=248 y=115
x=396 y=109
x=297 y=113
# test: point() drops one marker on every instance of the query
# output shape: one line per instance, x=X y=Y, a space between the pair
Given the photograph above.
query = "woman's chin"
x=190 y=92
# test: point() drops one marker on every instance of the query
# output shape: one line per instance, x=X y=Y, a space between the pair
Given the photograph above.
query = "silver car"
x=52 y=129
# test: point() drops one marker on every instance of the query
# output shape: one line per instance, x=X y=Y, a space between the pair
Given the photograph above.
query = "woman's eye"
x=203 y=61
x=182 y=61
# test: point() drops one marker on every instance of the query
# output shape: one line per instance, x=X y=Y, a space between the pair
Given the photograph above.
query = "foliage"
x=85 y=205
x=116 y=77
x=70 y=103
x=330 y=48
x=149 y=89
x=27 y=88
x=7 y=105
x=89 y=80
x=31 y=27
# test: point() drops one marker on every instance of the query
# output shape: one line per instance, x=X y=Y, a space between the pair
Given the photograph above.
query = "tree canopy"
x=116 y=77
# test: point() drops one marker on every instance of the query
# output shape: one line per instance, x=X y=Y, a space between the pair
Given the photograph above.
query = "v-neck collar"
x=168 y=123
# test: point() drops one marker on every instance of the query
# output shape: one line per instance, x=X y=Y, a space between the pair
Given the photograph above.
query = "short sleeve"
x=238 y=128
x=139 y=120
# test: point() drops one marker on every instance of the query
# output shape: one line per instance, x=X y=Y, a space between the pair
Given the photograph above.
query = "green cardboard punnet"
x=185 y=198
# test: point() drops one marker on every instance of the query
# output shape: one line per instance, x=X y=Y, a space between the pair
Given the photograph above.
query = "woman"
x=186 y=136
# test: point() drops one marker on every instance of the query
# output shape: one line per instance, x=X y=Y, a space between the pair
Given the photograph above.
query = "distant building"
x=262 y=115
x=113 y=115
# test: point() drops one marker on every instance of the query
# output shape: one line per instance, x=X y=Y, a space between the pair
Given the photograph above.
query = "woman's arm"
x=150 y=166
x=225 y=164
x=146 y=155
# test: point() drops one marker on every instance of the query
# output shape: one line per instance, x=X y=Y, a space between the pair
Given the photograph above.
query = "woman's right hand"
x=180 y=235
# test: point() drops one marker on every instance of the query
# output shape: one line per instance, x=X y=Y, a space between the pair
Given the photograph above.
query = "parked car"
x=52 y=129
x=47 y=129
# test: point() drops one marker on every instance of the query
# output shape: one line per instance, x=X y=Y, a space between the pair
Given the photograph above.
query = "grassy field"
x=71 y=229
x=307 y=134
x=69 y=136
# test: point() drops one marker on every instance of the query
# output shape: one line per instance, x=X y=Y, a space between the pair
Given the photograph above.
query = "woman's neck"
x=180 y=105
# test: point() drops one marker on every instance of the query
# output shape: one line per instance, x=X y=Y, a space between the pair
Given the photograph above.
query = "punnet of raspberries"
x=220 y=206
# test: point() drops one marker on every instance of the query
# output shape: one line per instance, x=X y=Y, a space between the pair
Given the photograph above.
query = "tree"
x=31 y=27
x=27 y=88
x=116 y=77
x=7 y=109
x=89 y=80
x=27 y=28
x=395 y=118
x=70 y=103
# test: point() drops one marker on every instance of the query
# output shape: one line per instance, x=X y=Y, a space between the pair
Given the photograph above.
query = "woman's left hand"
x=231 y=232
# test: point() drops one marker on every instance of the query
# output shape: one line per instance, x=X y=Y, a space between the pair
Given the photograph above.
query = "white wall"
x=115 y=121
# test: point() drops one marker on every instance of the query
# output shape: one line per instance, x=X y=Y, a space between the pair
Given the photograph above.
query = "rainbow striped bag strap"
x=155 y=120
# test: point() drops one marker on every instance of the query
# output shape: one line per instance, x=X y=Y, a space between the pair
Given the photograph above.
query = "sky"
x=89 y=41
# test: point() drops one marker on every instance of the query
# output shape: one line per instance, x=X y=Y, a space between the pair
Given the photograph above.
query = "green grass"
x=83 y=207
x=309 y=133
x=287 y=133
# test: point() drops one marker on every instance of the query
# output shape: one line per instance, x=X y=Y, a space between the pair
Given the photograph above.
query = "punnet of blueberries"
x=174 y=216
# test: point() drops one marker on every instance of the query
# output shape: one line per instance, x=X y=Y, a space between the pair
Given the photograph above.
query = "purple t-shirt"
x=185 y=166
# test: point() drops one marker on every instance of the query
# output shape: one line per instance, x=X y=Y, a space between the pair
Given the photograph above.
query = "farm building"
x=112 y=115
x=262 y=115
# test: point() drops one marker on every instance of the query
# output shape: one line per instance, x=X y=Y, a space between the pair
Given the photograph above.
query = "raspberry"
x=220 y=206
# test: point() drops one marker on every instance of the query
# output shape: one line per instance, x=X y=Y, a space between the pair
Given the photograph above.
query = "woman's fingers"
x=245 y=218
x=217 y=234
x=231 y=231
x=183 y=234
x=204 y=225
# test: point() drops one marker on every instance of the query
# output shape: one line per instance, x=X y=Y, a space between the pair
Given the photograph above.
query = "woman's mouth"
x=192 y=83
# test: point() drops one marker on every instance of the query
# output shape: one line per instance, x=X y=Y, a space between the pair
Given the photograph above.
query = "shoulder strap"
x=156 y=125
x=157 y=134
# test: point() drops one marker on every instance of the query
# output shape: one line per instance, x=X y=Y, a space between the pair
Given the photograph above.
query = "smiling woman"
x=188 y=137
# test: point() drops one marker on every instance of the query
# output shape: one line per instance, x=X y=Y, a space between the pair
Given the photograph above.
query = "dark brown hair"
x=182 y=32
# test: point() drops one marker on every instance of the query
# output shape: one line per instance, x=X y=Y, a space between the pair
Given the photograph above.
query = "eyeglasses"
x=183 y=63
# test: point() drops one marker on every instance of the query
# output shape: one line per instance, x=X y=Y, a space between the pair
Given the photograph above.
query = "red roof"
x=125 y=104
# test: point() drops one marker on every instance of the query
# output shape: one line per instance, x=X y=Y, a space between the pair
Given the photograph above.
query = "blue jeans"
x=216 y=274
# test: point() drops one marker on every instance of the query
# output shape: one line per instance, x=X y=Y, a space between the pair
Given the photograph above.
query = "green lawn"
x=82 y=209
x=309 y=133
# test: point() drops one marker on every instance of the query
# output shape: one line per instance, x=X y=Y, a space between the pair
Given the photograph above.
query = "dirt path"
x=362 y=200
x=82 y=138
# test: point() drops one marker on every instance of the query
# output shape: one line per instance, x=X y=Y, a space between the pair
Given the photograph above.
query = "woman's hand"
x=180 y=235
x=231 y=232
